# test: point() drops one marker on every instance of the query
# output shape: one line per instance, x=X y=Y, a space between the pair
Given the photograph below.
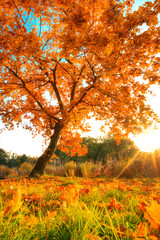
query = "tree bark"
x=46 y=156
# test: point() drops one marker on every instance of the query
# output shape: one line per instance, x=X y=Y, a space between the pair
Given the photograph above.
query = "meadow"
x=72 y=208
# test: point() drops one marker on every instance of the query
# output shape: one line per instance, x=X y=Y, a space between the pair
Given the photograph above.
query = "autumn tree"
x=65 y=61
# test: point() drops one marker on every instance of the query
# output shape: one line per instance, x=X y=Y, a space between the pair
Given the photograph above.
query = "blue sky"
x=139 y=3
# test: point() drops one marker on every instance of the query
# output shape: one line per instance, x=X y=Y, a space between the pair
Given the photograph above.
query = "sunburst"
x=148 y=141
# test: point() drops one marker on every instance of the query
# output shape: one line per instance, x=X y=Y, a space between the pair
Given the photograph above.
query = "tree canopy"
x=62 y=62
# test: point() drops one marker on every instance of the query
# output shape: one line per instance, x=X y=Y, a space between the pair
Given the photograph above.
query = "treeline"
x=13 y=160
x=104 y=158
x=100 y=149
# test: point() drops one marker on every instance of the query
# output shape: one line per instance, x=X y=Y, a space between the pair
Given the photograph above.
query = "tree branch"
x=54 y=85
x=75 y=83
x=31 y=94
x=63 y=68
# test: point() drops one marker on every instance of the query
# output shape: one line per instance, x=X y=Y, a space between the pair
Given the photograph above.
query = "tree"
x=62 y=62
x=14 y=160
x=94 y=148
x=3 y=157
x=99 y=149
x=126 y=148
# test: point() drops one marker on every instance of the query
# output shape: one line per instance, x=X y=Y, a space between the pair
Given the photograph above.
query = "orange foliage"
x=114 y=205
x=70 y=194
x=153 y=215
x=66 y=61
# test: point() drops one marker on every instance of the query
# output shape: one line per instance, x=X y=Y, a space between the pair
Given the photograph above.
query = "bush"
x=107 y=169
x=125 y=170
x=55 y=171
x=59 y=171
x=78 y=172
x=13 y=173
x=97 y=169
x=87 y=169
x=4 y=172
x=152 y=164
x=25 y=169
x=70 y=168
x=49 y=170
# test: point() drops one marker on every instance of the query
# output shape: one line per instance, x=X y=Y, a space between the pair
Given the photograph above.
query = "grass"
x=60 y=208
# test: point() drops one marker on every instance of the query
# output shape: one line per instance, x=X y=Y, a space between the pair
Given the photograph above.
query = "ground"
x=79 y=208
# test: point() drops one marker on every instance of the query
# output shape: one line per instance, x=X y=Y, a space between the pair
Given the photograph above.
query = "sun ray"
x=154 y=163
x=128 y=164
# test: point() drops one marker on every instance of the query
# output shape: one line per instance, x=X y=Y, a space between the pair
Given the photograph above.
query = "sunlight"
x=148 y=141
x=20 y=141
x=129 y=162
x=154 y=163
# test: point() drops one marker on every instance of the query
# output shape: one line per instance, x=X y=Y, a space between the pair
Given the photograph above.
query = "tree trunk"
x=46 y=156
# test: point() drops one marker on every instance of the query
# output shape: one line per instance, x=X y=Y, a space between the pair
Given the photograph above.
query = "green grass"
x=77 y=208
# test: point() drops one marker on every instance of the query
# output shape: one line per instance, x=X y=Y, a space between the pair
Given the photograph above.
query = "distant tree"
x=100 y=148
x=95 y=149
x=126 y=147
x=23 y=158
x=32 y=160
x=13 y=160
x=16 y=160
x=64 y=158
x=62 y=62
x=3 y=157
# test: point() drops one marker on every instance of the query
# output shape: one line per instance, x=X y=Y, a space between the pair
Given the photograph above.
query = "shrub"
x=97 y=169
x=25 y=169
x=5 y=171
x=125 y=170
x=13 y=173
x=70 y=168
x=49 y=170
x=152 y=166
x=78 y=172
x=55 y=171
x=107 y=169
x=59 y=171
x=87 y=169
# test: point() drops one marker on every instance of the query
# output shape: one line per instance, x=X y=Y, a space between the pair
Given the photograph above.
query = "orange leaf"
x=153 y=215
x=52 y=214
